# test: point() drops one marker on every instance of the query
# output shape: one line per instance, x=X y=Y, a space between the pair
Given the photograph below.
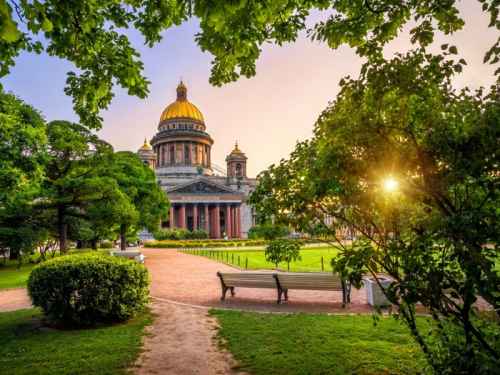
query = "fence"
x=245 y=262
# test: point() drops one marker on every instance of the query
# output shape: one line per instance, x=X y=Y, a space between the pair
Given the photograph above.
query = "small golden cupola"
x=147 y=155
x=236 y=163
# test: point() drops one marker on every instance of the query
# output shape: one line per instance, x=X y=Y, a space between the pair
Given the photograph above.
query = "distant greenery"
x=180 y=234
x=109 y=289
x=168 y=244
x=28 y=347
x=310 y=259
x=268 y=231
x=296 y=344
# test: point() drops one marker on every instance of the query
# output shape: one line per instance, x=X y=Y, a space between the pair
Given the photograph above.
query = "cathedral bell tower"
x=236 y=163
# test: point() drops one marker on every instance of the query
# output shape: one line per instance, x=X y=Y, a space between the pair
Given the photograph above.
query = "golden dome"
x=182 y=108
x=146 y=146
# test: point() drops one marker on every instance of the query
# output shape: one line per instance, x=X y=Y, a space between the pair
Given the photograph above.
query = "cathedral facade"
x=202 y=196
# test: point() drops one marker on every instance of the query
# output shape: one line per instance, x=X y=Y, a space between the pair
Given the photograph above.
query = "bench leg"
x=232 y=291
x=280 y=291
x=224 y=291
x=286 y=294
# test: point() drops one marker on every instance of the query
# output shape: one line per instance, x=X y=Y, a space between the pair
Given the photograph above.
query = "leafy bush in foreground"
x=86 y=289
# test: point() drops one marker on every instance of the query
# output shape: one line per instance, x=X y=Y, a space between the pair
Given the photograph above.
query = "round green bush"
x=86 y=289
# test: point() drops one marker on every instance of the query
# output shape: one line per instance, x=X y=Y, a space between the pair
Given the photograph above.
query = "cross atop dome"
x=181 y=91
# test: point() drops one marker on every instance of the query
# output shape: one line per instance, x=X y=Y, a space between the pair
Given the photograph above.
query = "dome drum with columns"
x=201 y=198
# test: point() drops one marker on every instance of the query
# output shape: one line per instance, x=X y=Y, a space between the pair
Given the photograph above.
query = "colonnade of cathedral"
x=217 y=219
x=183 y=153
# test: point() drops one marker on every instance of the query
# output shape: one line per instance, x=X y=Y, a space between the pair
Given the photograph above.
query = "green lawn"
x=11 y=277
x=30 y=348
x=318 y=344
x=311 y=259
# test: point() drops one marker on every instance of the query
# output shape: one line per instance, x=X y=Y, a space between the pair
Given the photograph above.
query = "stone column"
x=238 y=222
x=182 y=216
x=195 y=216
x=172 y=217
x=217 y=221
x=207 y=220
x=229 y=227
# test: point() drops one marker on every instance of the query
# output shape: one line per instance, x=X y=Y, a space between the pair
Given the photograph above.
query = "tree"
x=74 y=175
x=137 y=181
x=413 y=167
x=23 y=156
x=282 y=250
x=90 y=35
x=268 y=231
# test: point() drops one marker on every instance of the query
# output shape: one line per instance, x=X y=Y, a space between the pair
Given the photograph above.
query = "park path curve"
x=14 y=299
x=190 y=279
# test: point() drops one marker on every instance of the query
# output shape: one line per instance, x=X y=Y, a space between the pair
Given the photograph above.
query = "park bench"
x=283 y=281
x=230 y=280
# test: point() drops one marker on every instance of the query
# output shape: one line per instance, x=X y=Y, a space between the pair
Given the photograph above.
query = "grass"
x=12 y=277
x=310 y=259
x=318 y=344
x=30 y=348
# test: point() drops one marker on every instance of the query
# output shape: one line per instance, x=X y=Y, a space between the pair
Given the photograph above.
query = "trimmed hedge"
x=180 y=234
x=206 y=243
x=86 y=289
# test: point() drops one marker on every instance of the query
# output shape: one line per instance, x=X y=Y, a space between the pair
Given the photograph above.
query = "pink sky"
x=267 y=114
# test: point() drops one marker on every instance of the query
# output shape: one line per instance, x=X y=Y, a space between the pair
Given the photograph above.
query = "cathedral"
x=202 y=195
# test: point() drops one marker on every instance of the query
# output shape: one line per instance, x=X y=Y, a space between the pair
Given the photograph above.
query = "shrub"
x=86 y=289
x=106 y=245
x=180 y=234
x=268 y=231
x=168 y=244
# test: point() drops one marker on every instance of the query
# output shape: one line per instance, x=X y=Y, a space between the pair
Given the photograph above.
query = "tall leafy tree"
x=22 y=162
x=91 y=35
x=74 y=176
x=414 y=168
x=137 y=181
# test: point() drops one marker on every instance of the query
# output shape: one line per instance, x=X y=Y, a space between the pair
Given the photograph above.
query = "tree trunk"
x=94 y=244
x=62 y=229
x=123 y=237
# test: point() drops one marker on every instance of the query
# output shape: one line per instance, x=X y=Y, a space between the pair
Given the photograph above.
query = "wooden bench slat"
x=282 y=282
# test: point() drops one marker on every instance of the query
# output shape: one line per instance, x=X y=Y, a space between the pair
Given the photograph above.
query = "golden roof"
x=236 y=151
x=181 y=108
x=146 y=146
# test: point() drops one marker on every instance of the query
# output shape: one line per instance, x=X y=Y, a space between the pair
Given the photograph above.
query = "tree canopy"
x=92 y=35
x=412 y=167
x=59 y=177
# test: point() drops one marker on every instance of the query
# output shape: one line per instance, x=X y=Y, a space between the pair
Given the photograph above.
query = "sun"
x=390 y=184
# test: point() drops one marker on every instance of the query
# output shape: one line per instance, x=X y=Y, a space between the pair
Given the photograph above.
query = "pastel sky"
x=266 y=114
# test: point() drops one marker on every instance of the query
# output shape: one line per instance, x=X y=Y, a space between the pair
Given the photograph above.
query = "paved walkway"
x=14 y=299
x=192 y=279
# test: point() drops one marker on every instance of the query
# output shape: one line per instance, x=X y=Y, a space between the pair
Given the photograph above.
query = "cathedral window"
x=172 y=154
x=187 y=154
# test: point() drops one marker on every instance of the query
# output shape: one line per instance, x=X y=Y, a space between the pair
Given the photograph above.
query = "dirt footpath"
x=182 y=341
x=14 y=299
